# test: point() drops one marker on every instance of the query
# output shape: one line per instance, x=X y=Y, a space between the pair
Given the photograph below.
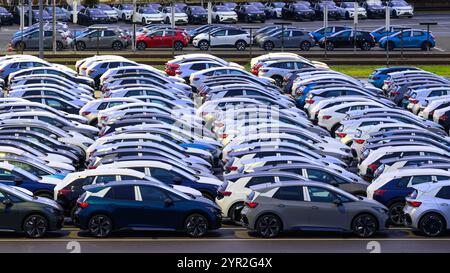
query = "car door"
x=442 y=201
x=107 y=38
x=345 y=39
x=290 y=204
x=220 y=38
x=416 y=38
x=406 y=38
x=125 y=209
x=324 y=212
x=156 y=39
x=288 y=39
x=168 y=38
x=159 y=210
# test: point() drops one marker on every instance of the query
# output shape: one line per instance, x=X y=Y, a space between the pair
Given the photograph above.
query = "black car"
x=333 y=11
x=34 y=216
x=6 y=18
x=298 y=12
x=250 y=13
x=374 y=8
x=34 y=15
x=90 y=16
x=346 y=39
x=196 y=14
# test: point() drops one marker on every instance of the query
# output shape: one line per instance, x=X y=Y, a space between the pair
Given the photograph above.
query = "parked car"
x=91 y=16
x=286 y=206
x=223 y=14
x=250 y=13
x=400 y=8
x=104 y=212
x=6 y=17
x=180 y=17
x=108 y=38
x=347 y=39
x=220 y=37
x=148 y=16
x=297 y=11
x=124 y=11
x=374 y=8
x=349 y=10
x=274 y=9
x=111 y=13
x=288 y=39
x=162 y=38
x=411 y=38
x=31 y=41
x=196 y=14
x=333 y=11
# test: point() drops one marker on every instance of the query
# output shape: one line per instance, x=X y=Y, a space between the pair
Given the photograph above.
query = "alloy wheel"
x=117 y=45
x=305 y=46
x=396 y=214
x=268 y=46
x=203 y=45
x=35 y=226
x=141 y=46
x=100 y=226
x=81 y=46
x=178 y=46
x=364 y=225
x=240 y=46
x=196 y=225
x=268 y=226
x=432 y=225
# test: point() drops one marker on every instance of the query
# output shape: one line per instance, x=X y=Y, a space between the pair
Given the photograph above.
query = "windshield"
x=104 y=7
x=198 y=9
x=258 y=5
x=149 y=11
x=278 y=4
x=251 y=8
x=222 y=8
x=127 y=7
x=96 y=12
x=300 y=7
x=176 y=9
x=374 y=2
x=2 y=9
x=399 y=3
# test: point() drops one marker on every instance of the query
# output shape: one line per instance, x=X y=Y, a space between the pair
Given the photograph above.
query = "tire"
x=396 y=215
x=268 y=226
x=178 y=46
x=203 y=45
x=389 y=46
x=305 y=46
x=35 y=226
x=278 y=80
x=20 y=45
x=247 y=19
x=329 y=46
x=100 y=226
x=117 y=46
x=240 y=45
x=167 y=20
x=432 y=225
x=80 y=46
x=196 y=225
x=365 y=46
x=123 y=17
x=217 y=19
x=347 y=16
x=59 y=46
x=425 y=46
x=141 y=46
x=234 y=216
x=364 y=225
x=143 y=21
x=268 y=45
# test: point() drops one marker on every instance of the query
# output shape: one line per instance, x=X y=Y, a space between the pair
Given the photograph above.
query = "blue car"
x=320 y=33
x=138 y=205
x=382 y=32
x=379 y=75
x=413 y=38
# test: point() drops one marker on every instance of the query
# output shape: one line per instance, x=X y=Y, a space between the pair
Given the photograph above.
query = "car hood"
x=226 y=13
x=49 y=202
x=209 y=180
x=207 y=201
x=50 y=179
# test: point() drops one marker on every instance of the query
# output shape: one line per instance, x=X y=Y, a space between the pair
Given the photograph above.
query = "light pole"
x=30 y=13
x=41 y=29
x=325 y=25
x=388 y=29
x=355 y=23
x=54 y=25
x=133 y=21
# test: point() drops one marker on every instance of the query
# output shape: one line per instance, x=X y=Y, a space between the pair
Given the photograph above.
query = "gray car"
x=289 y=38
x=31 y=41
x=310 y=206
x=108 y=38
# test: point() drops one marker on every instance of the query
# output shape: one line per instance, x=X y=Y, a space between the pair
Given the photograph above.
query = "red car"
x=162 y=38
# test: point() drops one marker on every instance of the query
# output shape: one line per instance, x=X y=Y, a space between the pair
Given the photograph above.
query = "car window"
x=444 y=193
x=419 y=179
x=152 y=194
x=322 y=195
x=198 y=66
x=291 y=193
x=80 y=182
x=417 y=33
x=105 y=179
x=121 y=193
x=442 y=178
x=260 y=180
x=162 y=174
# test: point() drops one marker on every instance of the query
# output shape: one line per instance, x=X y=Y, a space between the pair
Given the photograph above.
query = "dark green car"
x=22 y=212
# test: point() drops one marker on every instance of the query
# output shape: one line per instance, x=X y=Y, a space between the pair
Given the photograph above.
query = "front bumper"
x=225 y=19
x=199 y=19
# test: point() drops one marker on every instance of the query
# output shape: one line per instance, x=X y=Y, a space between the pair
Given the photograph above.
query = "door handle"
x=314 y=207
x=281 y=205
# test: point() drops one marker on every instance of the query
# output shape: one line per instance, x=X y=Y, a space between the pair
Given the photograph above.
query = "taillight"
x=443 y=118
x=326 y=117
x=414 y=204
x=379 y=192
x=92 y=167
x=225 y=193
x=310 y=101
x=373 y=167
x=413 y=101
x=395 y=93
x=359 y=141
x=178 y=72
x=251 y=205
x=232 y=168
x=83 y=204
x=64 y=191
x=341 y=135
x=85 y=113
x=224 y=135
x=196 y=79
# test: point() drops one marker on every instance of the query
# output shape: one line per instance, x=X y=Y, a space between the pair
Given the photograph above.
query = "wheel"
x=364 y=225
x=143 y=21
x=396 y=214
x=329 y=46
x=123 y=17
x=203 y=45
x=20 y=46
x=305 y=46
x=365 y=46
x=278 y=80
x=80 y=46
x=167 y=21
x=117 y=45
x=217 y=19
x=59 y=46
x=268 y=45
x=268 y=226
x=425 y=46
x=347 y=16
x=247 y=19
x=240 y=45
x=178 y=46
x=432 y=224
x=196 y=225
x=35 y=226
x=234 y=214
x=100 y=226
x=394 y=13
x=141 y=46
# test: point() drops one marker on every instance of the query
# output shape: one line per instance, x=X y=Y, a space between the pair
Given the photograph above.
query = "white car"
x=277 y=70
x=400 y=8
x=439 y=114
x=148 y=16
x=82 y=65
x=223 y=14
x=222 y=37
x=91 y=109
x=179 y=16
x=432 y=104
x=331 y=117
x=324 y=104
x=124 y=11
x=199 y=57
x=418 y=97
x=349 y=10
x=197 y=78
x=278 y=56
x=184 y=70
x=428 y=208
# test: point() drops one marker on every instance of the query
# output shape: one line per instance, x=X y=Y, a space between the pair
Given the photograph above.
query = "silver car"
x=302 y=205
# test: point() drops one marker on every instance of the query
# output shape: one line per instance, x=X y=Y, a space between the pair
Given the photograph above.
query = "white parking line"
x=217 y=240
x=439 y=49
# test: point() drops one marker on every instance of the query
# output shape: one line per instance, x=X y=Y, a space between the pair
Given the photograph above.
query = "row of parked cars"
x=225 y=12
x=204 y=140
x=216 y=35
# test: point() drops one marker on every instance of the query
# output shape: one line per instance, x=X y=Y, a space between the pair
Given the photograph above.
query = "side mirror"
x=168 y=202
x=337 y=202
x=7 y=202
